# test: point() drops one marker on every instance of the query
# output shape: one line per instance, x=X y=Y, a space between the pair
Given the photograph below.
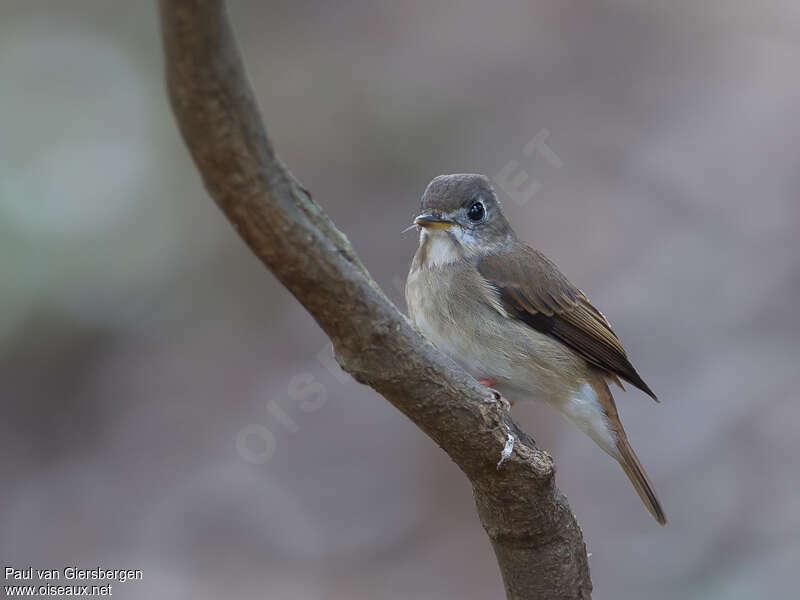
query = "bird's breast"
x=454 y=307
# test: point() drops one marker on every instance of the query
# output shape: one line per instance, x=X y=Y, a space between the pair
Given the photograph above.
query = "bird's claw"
x=498 y=397
x=508 y=448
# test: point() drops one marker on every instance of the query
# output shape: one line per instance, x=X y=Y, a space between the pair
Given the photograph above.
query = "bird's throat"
x=437 y=248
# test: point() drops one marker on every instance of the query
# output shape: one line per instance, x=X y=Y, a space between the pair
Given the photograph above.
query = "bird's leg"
x=490 y=383
x=511 y=439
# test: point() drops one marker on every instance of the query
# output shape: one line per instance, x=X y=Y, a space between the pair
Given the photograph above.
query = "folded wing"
x=533 y=290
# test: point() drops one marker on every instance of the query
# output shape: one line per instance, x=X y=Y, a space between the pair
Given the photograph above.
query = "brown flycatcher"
x=505 y=313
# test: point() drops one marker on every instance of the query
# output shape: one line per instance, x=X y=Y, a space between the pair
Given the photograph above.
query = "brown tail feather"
x=635 y=472
x=627 y=457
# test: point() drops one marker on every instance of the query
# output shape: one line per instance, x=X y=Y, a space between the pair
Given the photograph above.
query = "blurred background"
x=168 y=406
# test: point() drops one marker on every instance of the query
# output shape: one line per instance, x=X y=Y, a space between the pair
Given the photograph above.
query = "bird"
x=506 y=314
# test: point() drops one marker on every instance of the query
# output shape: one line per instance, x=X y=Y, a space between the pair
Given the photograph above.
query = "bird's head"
x=460 y=217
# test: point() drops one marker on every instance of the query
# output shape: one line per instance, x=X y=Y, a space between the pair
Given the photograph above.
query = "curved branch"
x=537 y=541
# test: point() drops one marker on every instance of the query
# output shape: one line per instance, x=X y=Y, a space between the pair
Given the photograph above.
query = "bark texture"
x=537 y=541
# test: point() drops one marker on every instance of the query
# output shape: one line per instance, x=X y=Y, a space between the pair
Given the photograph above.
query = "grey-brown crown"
x=449 y=192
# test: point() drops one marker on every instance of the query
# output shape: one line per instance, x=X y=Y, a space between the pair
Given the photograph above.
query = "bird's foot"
x=508 y=448
x=490 y=383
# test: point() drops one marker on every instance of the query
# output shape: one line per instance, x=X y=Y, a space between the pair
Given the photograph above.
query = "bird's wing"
x=533 y=290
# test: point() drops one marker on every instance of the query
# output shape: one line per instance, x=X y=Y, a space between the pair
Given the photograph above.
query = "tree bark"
x=537 y=541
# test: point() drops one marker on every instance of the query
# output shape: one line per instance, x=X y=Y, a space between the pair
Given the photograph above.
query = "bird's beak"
x=433 y=222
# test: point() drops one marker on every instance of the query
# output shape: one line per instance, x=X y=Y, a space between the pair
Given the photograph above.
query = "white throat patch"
x=441 y=249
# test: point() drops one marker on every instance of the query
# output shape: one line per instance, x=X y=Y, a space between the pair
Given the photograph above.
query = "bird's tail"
x=636 y=473
x=625 y=455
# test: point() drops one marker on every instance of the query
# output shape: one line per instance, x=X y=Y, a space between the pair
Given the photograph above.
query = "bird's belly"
x=525 y=363
x=461 y=346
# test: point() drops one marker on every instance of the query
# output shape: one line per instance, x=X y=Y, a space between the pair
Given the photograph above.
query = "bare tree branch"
x=538 y=544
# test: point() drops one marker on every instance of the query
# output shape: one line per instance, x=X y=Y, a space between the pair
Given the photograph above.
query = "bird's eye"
x=476 y=211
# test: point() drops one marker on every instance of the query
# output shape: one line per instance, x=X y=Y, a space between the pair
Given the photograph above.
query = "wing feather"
x=533 y=290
